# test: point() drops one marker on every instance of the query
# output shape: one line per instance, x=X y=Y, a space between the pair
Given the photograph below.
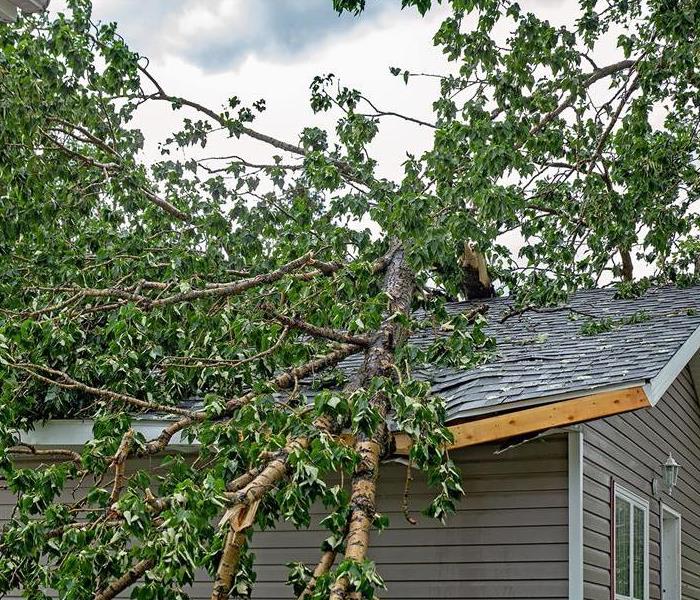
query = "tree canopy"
x=224 y=292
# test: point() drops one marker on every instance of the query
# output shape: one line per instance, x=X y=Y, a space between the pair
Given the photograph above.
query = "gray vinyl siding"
x=508 y=538
x=629 y=450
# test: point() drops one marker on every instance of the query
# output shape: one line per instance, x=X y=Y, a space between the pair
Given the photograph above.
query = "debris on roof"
x=595 y=341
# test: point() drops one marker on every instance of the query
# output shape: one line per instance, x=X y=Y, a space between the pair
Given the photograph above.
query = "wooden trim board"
x=540 y=418
x=75 y=433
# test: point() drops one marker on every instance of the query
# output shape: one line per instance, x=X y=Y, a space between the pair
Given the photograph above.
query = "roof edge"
x=657 y=386
x=484 y=411
x=564 y=413
x=75 y=433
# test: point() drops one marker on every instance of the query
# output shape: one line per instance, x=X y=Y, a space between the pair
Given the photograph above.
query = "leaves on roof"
x=595 y=326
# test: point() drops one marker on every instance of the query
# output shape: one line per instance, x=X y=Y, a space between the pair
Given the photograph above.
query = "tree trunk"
x=379 y=361
x=228 y=565
x=398 y=285
x=627 y=266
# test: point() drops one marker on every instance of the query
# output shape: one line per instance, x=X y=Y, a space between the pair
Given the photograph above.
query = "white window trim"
x=665 y=508
x=634 y=500
x=575 y=439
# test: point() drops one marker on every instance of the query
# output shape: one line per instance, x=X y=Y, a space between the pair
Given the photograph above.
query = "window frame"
x=633 y=500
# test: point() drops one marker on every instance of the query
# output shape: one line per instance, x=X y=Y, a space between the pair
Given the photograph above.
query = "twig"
x=406 y=490
x=316 y=331
x=65 y=381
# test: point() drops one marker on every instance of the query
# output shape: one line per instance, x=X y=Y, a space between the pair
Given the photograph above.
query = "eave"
x=479 y=430
x=540 y=418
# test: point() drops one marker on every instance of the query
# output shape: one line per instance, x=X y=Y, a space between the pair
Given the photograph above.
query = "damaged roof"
x=593 y=343
x=596 y=342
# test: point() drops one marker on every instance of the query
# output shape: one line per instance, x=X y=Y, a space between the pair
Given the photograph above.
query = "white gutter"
x=75 y=433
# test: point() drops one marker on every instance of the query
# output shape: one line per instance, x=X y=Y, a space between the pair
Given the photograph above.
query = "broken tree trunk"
x=379 y=361
x=476 y=281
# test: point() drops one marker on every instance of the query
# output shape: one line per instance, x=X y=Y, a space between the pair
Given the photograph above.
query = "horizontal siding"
x=629 y=449
x=508 y=538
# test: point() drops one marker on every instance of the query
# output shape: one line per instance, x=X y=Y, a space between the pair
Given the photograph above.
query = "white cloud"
x=211 y=50
x=360 y=57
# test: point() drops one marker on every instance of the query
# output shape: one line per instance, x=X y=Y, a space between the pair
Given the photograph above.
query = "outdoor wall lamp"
x=670 y=470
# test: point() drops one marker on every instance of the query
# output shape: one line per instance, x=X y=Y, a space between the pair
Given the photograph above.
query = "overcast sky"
x=210 y=50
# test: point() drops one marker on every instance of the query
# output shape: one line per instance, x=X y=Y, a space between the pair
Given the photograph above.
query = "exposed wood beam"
x=540 y=418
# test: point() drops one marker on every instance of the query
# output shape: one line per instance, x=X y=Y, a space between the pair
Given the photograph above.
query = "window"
x=631 y=546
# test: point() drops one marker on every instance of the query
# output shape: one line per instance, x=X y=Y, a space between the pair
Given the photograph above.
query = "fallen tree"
x=244 y=302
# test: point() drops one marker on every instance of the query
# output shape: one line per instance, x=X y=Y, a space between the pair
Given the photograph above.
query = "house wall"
x=629 y=449
x=508 y=538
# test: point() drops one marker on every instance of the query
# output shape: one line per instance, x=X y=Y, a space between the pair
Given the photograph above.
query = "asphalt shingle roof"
x=543 y=352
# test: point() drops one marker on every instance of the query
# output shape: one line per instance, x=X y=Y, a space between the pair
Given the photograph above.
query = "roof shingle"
x=543 y=353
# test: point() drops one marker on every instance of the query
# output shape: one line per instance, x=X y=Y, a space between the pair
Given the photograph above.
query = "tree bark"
x=627 y=266
x=228 y=565
x=118 y=585
x=379 y=361
x=324 y=565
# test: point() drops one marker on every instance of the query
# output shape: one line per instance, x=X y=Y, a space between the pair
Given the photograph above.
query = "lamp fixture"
x=670 y=471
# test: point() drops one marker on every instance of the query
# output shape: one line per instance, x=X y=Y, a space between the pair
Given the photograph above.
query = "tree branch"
x=218 y=291
x=207 y=363
x=315 y=330
x=590 y=80
x=238 y=128
x=603 y=138
x=119 y=463
x=106 y=167
x=324 y=565
x=118 y=585
x=284 y=380
x=384 y=113
x=29 y=449
x=288 y=379
x=226 y=571
x=66 y=382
